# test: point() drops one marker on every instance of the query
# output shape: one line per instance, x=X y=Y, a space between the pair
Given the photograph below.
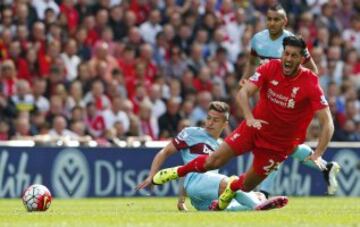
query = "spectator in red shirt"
x=49 y=59
x=146 y=53
x=97 y=96
x=203 y=82
x=39 y=38
x=20 y=63
x=141 y=9
x=67 y=7
x=127 y=65
x=92 y=35
x=94 y=121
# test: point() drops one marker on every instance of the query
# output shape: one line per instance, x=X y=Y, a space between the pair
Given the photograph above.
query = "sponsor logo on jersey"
x=201 y=148
x=206 y=150
x=182 y=135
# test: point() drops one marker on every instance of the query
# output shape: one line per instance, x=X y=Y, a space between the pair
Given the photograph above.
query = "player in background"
x=266 y=45
x=290 y=95
x=203 y=188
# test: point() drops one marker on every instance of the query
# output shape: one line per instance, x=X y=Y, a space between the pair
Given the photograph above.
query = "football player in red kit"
x=290 y=95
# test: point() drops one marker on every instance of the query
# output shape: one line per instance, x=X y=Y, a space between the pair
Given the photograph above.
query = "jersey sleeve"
x=259 y=77
x=317 y=97
x=183 y=139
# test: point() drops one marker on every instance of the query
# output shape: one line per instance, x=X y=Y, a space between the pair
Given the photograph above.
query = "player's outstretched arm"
x=157 y=162
x=327 y=130
x=182 y=196
x=248 y=90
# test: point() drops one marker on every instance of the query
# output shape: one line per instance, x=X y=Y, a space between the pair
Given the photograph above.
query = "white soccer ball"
x=36 y=197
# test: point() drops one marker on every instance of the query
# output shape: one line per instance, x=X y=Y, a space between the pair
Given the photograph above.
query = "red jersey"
x=288 y=104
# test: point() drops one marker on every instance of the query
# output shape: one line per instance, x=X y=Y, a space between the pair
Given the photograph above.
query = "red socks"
x=196 y=165
x=238 y=184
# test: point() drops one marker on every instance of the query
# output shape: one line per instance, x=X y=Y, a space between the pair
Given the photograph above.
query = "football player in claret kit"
x=290 y=95
x=204 y=188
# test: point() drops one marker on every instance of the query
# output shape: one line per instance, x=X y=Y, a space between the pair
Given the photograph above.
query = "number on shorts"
x=271 y=167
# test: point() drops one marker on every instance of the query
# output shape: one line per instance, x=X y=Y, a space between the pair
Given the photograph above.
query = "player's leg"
x=263 y=164
x=300 y=153
x=202 y=189
x=200 y=164
x=260 y=205
x=273 y=203
x=332 y=168
x=267 y=186
x=242 y=201
x=303 y=151
x=248 y=199
x=245 y=183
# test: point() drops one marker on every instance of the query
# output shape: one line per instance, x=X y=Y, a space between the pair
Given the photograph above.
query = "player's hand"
x=256 y=123
x=182 y=206
x=317 y=160
x=146 y=183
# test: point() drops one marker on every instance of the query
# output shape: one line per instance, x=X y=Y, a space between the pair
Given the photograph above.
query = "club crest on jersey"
x=183 y=135
x=274 y=82
x=294 y=91
x=255 y=77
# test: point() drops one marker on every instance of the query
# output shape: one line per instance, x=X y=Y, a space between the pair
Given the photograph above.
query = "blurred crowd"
x=114 y=69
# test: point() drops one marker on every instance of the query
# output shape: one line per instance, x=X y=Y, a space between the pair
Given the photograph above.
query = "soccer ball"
x=36 y=197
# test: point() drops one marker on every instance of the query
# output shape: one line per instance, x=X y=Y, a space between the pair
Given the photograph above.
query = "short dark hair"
x=221 y=107
x=278 y=8
x=296 y=42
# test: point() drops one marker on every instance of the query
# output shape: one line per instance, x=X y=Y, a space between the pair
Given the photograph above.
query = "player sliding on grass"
x=203 y=188
x=290 y=95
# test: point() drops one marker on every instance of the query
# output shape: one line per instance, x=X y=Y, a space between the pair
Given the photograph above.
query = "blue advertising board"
x=109 y=172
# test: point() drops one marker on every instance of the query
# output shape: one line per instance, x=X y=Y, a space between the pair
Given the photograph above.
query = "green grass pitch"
x=161 y=212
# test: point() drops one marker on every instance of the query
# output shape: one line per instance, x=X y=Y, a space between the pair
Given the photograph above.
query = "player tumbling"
x=203 y=188
x=266 y=45
x=290 y=95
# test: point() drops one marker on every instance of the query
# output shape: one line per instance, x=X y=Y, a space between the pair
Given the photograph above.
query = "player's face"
x=291 y=60
x=275 y=21
x=215 y=123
